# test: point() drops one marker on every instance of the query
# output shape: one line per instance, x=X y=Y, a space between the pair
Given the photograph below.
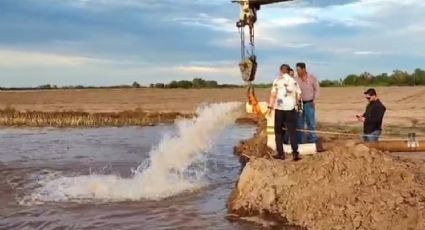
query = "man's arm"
x=297 y=88
x=316 y=88
x=273 y=95
x=272 y=99
x=361 y=117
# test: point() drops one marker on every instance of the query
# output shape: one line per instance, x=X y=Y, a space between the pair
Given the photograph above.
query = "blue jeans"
x=308 y=116
x=372 y=137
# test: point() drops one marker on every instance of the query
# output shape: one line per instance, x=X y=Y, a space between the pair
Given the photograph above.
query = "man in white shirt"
x=283 y=100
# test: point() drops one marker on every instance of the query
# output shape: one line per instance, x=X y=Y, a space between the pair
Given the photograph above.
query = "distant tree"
x=211 y=84
x=172 y=84
x=180 y=84
x=400 y=77
x=330 y=83
x=159 y=85
x=351 y=79
x=419 y=77
x=381 y=80
x=47 y=86
x=135 y=85
x=199 y=83
x=185 y=84
x=263 y=85
x=365 y=79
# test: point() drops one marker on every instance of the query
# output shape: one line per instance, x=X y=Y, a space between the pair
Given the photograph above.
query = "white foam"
x=176 y=165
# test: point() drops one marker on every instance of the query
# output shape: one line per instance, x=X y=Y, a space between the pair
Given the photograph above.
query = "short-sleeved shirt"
x=286 y=89
x=310 y=87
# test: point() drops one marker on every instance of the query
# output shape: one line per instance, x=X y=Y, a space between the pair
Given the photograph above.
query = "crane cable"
x=242 y=36
x=252 y=39
x=244 y=51
x=252 y=99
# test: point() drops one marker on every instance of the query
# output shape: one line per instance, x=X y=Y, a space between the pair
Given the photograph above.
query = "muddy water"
x=29 y=158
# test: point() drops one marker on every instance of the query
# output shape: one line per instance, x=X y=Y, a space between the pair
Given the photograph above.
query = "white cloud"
x=367 y=52
x=28 y=68
x=207 y=21
x=204 y=69
x=416 y=29
x=287 y=21
x=265 y=42
x=21 y=59
x=96 y=4
x=350 y=14
x=224 y=70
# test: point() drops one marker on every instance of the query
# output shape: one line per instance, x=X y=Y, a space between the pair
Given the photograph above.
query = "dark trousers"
x=288 y=120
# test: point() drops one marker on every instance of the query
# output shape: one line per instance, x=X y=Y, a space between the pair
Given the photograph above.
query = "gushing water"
x=176 y=165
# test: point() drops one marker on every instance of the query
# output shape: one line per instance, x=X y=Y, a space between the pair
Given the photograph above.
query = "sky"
x=111 y=42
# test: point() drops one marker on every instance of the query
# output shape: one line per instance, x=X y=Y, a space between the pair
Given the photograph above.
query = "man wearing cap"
x=372 y=117
x=310 y=93
x=283 y=101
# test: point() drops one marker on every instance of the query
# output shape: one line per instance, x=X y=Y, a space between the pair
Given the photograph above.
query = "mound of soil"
x=256 y=146
x=347 y=187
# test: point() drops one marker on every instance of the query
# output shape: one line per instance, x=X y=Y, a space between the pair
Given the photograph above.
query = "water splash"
x=176 y=165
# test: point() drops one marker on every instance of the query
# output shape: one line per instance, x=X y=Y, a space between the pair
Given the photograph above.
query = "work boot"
x=319 y=146
x=279 y=157
x=296 y=156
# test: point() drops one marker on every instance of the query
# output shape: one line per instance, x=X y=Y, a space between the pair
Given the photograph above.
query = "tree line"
x=196 y=83
x=55 y=87
x=185 y=84
x=199 y=83
x=396 y=78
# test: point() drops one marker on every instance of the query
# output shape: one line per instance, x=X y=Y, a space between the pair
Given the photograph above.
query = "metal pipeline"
x=399 y=145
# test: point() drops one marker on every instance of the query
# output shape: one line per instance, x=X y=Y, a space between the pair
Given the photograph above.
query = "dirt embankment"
x=257 y=145
x=347 y=187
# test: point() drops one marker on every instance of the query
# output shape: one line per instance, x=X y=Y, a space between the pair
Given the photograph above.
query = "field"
x=405 y=105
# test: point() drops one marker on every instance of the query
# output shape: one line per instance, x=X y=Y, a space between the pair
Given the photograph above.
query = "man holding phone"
x=372 y=117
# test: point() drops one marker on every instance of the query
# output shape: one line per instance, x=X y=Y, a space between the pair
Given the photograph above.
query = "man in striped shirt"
x=310 y=93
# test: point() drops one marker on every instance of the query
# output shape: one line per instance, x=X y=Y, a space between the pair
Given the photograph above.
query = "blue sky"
x=108 y=42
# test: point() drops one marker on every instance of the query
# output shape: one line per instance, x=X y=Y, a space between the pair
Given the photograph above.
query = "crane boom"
x=261 y=2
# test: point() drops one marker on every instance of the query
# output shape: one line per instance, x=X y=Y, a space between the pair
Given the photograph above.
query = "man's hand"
x=269 y=111
x=360 y=118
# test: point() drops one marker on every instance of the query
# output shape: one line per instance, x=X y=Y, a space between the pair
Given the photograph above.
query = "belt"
x=305 y=102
